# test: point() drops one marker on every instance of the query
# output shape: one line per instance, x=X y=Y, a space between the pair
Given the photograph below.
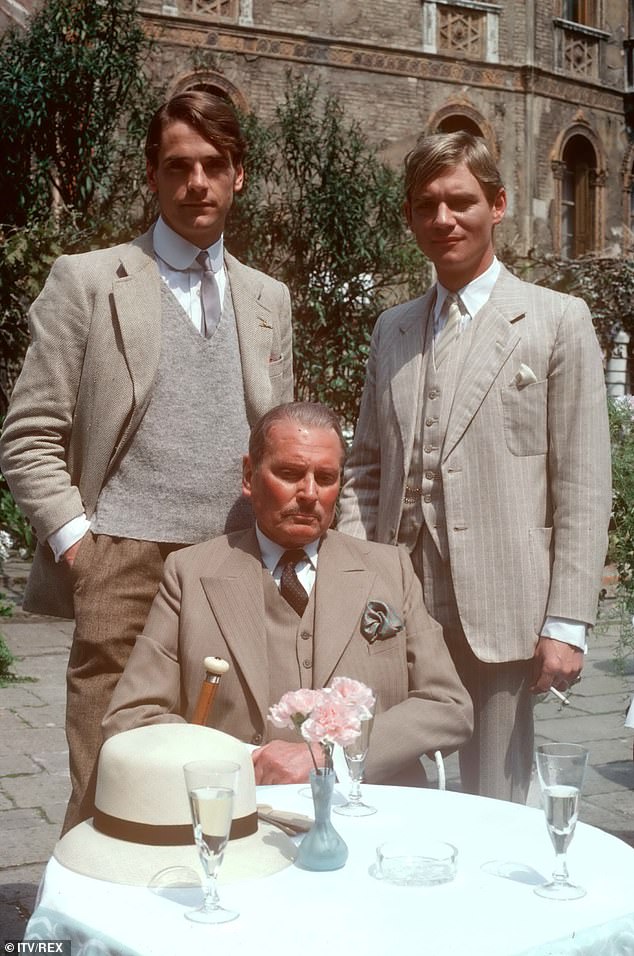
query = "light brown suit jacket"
x=87 y=381
x=211 y=602
x=525 y=466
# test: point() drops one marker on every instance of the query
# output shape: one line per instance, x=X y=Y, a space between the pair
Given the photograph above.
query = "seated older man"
x=287 y=605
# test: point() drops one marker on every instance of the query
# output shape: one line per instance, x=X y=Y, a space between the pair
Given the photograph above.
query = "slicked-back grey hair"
x=308 y=414
x=438 y=152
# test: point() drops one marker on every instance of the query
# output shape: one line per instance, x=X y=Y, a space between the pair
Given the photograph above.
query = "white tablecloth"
x=488 y=910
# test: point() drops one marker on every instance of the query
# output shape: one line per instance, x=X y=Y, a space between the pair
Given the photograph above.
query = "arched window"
x=578 y=174
x=456 y=122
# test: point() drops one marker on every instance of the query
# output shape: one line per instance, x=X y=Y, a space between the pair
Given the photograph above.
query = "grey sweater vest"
x=179 y=479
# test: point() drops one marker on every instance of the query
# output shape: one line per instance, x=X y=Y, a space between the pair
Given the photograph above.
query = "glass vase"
x=322 y=848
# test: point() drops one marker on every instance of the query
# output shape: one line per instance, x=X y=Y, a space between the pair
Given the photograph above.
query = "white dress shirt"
x=272 y=552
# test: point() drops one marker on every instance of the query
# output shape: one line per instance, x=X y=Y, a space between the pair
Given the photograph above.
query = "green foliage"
x=68 y=84
x=75 y=106
x=321 y=213
x=621 y=550
x=606 y=284
x=13 y=522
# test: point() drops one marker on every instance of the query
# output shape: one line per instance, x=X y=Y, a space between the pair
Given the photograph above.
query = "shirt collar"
x=272 y=552
x=179 y=253
x=474 y=294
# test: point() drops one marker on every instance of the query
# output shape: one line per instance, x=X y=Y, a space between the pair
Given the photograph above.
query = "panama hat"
x=142 y=822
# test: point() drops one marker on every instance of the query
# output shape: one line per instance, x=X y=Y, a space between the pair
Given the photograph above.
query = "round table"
x=488 y=910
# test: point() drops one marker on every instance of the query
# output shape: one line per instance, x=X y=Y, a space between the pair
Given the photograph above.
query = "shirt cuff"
x=68 y=535
x=567 y=631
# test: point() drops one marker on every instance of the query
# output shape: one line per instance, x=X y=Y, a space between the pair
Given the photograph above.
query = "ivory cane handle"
x=215 y=668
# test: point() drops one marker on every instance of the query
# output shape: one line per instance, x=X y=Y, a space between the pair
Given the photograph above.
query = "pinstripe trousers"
x=497 y=761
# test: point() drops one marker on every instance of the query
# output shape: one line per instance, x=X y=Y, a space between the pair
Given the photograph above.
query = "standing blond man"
x=482 y=447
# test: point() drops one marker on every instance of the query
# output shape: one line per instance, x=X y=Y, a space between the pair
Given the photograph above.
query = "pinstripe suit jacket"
x=525 y=468
x=211 y=602
x=87 y=381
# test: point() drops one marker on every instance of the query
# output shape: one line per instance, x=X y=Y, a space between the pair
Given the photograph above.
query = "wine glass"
x=211 y=785
x=561 y=768
x=355 y=754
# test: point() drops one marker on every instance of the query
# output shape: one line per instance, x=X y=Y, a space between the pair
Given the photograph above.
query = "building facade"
x=546 y=82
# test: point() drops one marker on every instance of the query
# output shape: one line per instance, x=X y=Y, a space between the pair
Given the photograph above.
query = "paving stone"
x=29 y=844
x=29 y=791
x=5 y=804
x=19 y=819
x=55 y=811
x=11 y=764
x=56 y=762
x=52 y=715
x=26 y=740
x=17 y=881
x=20 y=695
x=18 y=890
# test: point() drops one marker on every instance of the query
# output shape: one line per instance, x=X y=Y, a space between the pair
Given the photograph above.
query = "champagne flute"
x=561 y=768
x=355 y=754
x=211 y=785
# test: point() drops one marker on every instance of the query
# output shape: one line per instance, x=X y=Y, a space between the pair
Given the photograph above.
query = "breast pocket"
x=276 y=367
x=526 y=418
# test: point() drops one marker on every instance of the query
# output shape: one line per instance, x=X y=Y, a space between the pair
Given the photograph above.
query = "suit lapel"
x=406 y=356
x=236 y=599
x=255 y=335
x=495 y=336
x=343 y=588
x=137 y=298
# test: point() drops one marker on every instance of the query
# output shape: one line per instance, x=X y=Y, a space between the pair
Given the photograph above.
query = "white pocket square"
x=525 y=376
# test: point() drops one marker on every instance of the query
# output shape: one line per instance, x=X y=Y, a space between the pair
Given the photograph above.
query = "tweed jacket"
x=525 y=465
x=211 y=602
x=87 y=381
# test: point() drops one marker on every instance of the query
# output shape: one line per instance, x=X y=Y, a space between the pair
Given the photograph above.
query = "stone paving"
x=34 y=783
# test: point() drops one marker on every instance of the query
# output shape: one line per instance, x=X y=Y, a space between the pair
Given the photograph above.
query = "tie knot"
x=204 y=261
x=293 y=556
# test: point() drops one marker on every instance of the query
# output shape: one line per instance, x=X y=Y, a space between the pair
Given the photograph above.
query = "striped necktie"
x=449 y=332
x=209 y=296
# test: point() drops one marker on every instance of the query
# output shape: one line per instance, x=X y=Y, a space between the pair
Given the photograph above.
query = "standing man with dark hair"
x=482 y=447
x=149 y=362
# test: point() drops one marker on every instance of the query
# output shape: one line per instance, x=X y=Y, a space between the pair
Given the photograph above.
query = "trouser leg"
x=114 y=583
x=497 y=761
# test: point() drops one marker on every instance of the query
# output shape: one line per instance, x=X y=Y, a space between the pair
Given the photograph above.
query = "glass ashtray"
x=415 y=863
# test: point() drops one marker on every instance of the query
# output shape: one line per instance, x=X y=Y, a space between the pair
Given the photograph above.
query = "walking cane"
x=215 y=667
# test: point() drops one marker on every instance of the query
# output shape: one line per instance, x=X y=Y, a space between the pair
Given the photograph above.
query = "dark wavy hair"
x=211 y=116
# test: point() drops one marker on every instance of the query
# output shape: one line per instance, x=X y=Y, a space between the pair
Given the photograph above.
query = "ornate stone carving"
x=461 y=31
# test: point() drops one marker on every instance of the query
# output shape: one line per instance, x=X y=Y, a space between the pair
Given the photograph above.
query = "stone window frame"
x=458 y=108
x=596 y=183
x=213 y=80
x=241 y=11
x=566 y=31
x=492 y=11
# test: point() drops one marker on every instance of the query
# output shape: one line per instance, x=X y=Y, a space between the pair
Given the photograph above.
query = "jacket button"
x=256 y=739
x=305 y=635
x=307 y=663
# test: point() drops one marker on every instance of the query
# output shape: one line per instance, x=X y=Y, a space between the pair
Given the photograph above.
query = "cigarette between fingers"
x=558 y=694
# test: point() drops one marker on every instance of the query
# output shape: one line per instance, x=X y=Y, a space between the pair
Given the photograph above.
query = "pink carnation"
x=293 y=708
x=355 y=694
x=332 y=721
